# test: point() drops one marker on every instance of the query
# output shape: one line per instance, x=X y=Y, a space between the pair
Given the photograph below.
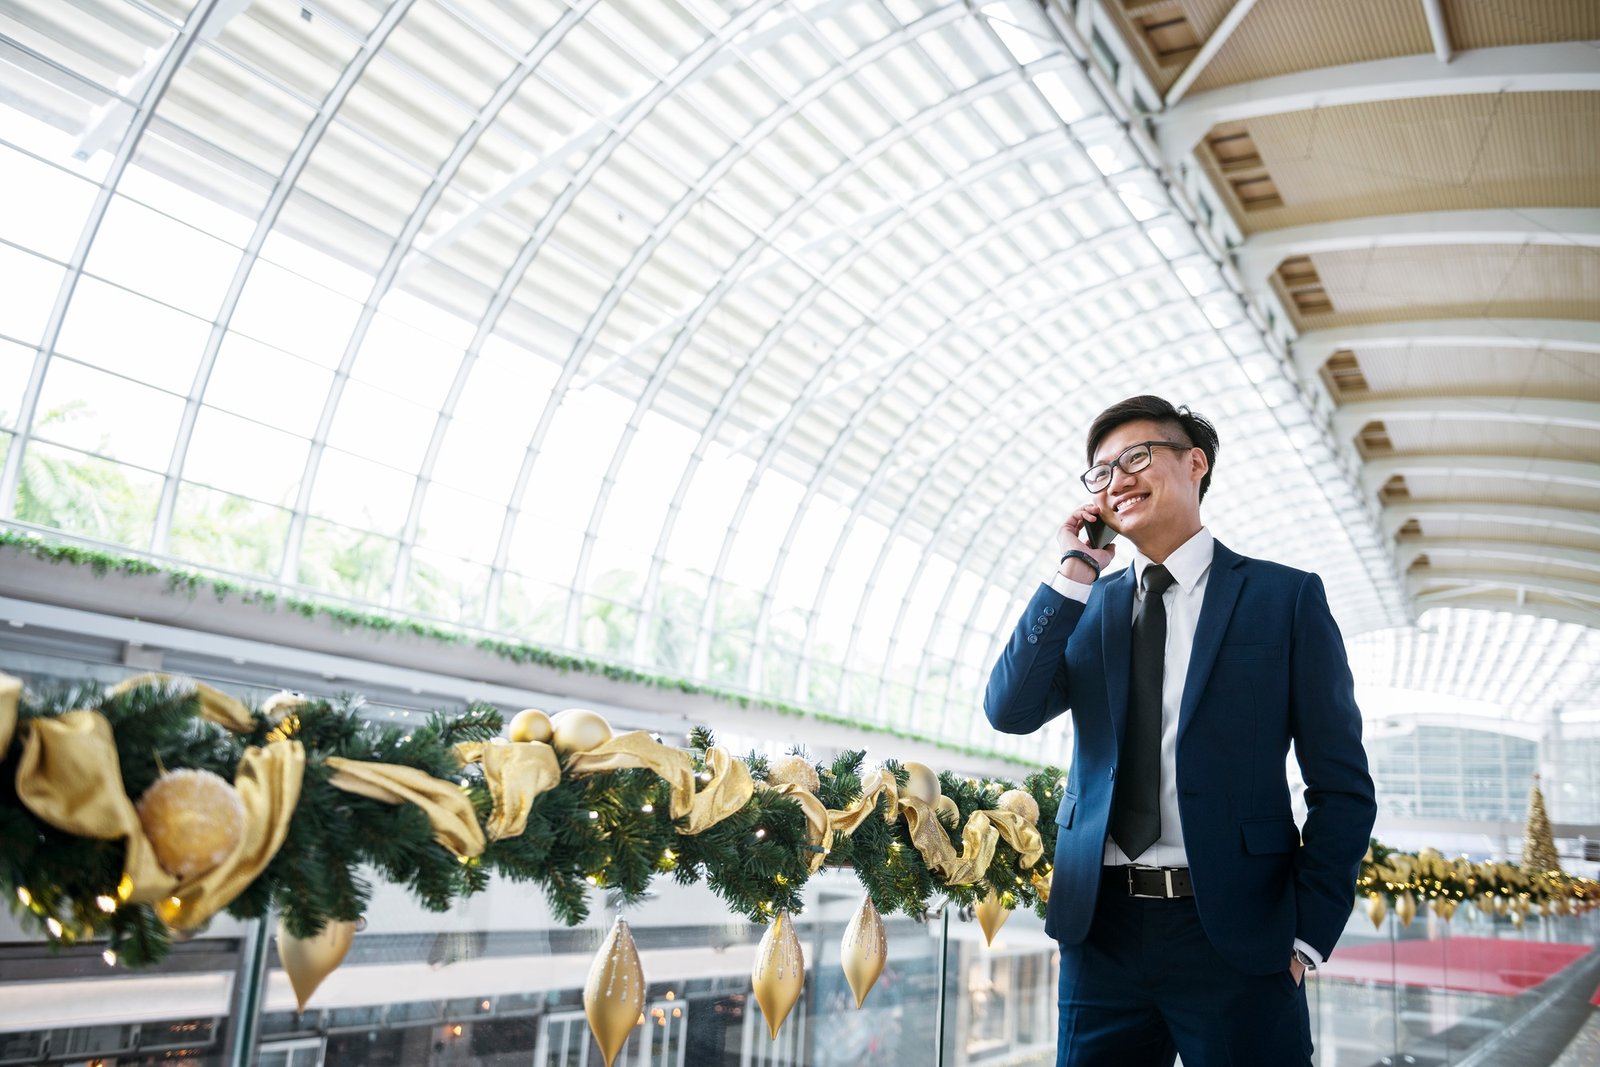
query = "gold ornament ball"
x=308 y=960
x=992 y=915
x=922 y=783
x=578 y=730
x=779 y=974
x=531 y=724
x=795 y=771
x=613 y=995
x=1376 y=909
x=194 y=820
x=863 y=950
x=1020 y=802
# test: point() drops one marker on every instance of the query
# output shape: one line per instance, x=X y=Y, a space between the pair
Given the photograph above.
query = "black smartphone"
x=1100 y=535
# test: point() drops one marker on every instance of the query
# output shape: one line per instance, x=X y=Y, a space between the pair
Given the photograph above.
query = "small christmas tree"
x=1539 y=849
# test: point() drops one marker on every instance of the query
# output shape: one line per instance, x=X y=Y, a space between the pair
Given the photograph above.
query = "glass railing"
x=498 y=982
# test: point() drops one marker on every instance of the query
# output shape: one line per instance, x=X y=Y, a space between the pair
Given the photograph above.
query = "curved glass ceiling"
x=751 y=342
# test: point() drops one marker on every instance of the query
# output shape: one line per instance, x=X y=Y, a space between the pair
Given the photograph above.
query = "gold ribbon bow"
x=68 y=775
x=516 y=773
x=1019 y=833
x=729 y=789
x=978 y=839
x=639 y=749
x=875 y=784
x=819 y=827
x=215 y=705
x=449 y=811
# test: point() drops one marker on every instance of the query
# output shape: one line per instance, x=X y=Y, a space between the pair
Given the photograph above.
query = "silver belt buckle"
x=1133 y=891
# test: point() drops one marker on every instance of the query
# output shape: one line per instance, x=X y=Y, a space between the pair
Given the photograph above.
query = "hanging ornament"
x=613 y=997
x=921 y=783
x=1445 y=908
x=796 y=771
x=308 y=960
x=779 y=973
x=531 y=724
x=1405 y=908
x=1376 y=910
x=863 y=950
x=578 y=730
x=194 y=820
x=992 y=915
x=1020 y=802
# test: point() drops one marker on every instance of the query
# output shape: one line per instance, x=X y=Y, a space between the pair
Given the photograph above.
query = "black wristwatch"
x=1306 y=959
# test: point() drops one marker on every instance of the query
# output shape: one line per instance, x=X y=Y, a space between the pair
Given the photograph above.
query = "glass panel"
x=231 y=532
x=87 y=496
x=44 y=208
x=102 y=413
x=30 y=285
x=193 y=273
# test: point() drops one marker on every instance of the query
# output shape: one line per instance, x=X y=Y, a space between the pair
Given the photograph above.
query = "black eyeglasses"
x=1133 y=459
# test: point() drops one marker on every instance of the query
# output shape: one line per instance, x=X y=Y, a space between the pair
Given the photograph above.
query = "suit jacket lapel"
x=1222 y=592
x=1116 y=638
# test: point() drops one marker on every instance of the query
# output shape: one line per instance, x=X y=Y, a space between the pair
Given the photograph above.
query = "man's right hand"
x=1069 y=537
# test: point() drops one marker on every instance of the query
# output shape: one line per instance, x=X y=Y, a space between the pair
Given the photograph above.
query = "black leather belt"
x=1162 y=883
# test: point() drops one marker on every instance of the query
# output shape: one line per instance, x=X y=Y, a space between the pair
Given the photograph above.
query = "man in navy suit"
x=1186 y=901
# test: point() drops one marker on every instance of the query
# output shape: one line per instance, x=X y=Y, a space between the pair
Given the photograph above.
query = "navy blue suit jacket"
x=1268 y=668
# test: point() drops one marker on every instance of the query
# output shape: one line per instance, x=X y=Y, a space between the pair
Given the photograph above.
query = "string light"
x=24 y=896
x=648 y=808
x=593 y=815
x=110 y=956
x=105 y=903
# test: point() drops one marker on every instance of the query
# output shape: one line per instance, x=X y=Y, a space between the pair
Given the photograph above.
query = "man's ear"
x=1198 y=466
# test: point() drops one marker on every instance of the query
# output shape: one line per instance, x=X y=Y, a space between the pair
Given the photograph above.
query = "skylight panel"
x=133 y=336
x=245 y=457
x=107 y=415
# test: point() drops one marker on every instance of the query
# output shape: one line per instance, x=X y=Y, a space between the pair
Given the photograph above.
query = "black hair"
x=1195 y=429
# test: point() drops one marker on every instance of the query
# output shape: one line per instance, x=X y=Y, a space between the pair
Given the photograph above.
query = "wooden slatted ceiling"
x=1427 y=370
x=1490 y=529
x=1424 y=487
x=1460 y=436
x=1486 y=24
x=1454 y=282
x=1284 y=36
x=1157 y=31
x=1451 y=153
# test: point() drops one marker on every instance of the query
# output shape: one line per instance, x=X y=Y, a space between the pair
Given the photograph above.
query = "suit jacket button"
x=1049 y=610
x=1036 y=629
x=1043 y=620
x=1033 y=639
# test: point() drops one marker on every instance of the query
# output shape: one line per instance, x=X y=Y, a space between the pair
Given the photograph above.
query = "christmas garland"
x=1407 y=883
x=603 y=820
x=438 y=810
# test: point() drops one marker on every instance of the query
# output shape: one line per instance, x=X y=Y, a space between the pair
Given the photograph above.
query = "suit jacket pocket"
x=1249 y=652
x=1265 y=836
x=1069 y=805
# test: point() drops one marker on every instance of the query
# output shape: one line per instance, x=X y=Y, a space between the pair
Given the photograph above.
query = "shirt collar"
x=1187 y=564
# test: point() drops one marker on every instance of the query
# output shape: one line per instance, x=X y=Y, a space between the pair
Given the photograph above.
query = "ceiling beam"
x=1209 y=50
x=1375 y=472
x=1312 y=349
x=1261 y=253
x=1574 y=613
x=1564 y=66
x=1407 y=551
x=1427 y=582
x=1571 y=520
x=1437 y=29
x=1349 y=417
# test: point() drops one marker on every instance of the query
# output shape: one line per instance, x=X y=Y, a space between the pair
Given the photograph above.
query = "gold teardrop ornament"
x=613 y=997
x=1445 y=909
x=308 y=960
x=992 y=915
x=779 y=973
x=863 y=950
x=1405 y=909
x=1376 y=910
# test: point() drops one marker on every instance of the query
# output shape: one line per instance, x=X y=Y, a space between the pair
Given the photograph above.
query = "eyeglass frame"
x=1112 y=466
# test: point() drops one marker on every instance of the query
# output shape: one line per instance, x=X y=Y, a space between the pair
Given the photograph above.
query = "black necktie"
x=1136 y=818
